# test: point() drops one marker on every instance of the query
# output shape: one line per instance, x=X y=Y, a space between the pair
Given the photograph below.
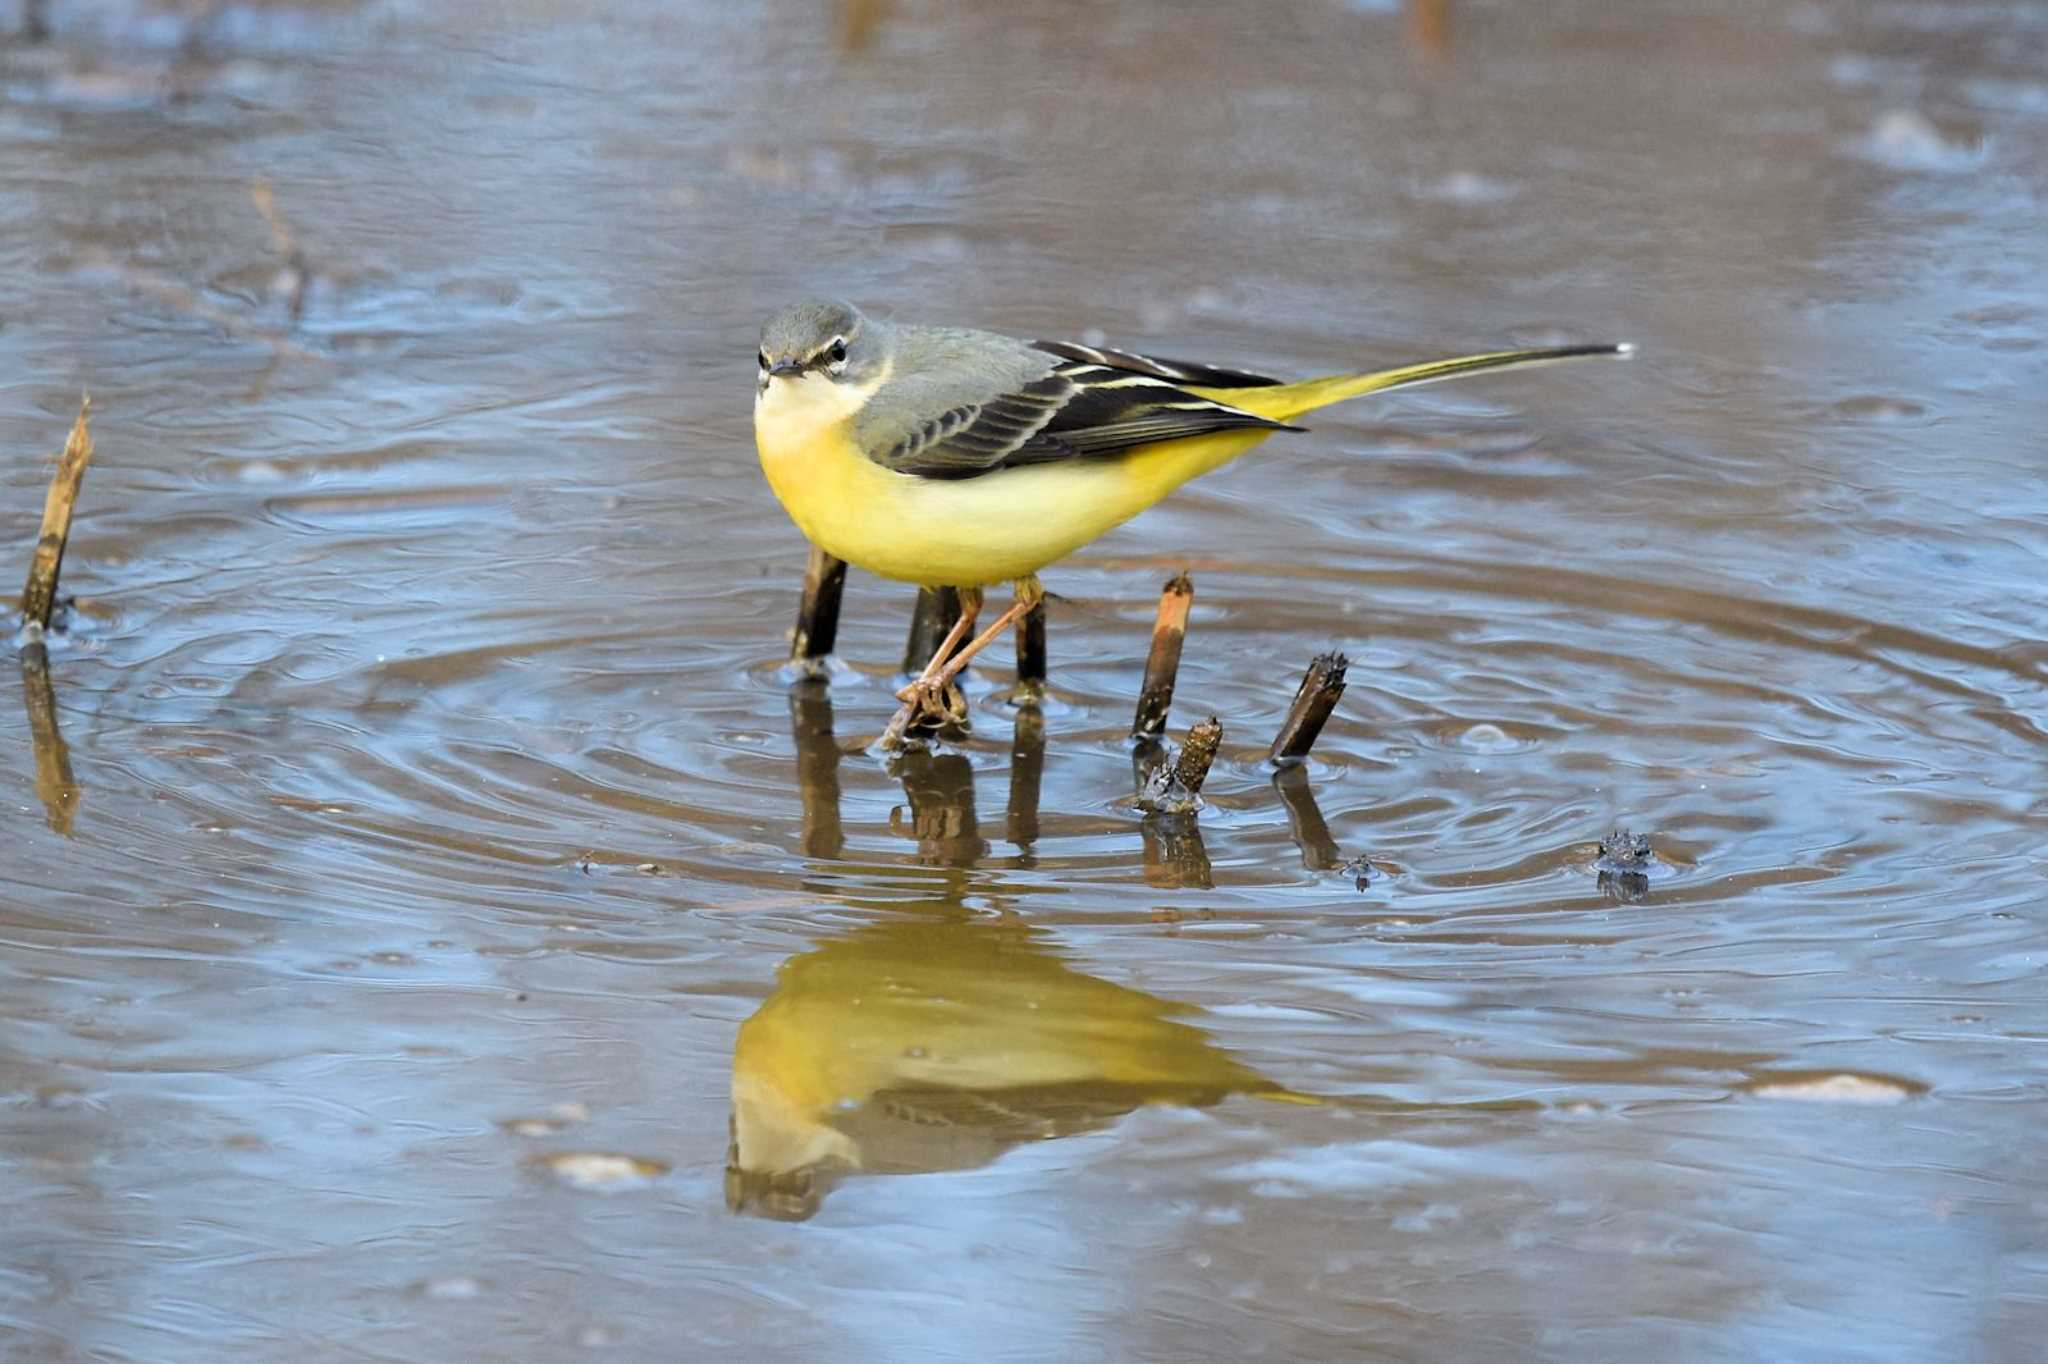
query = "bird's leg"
x=1029 y=594
x=934 y=689
x=931 y=695
x=970 y=610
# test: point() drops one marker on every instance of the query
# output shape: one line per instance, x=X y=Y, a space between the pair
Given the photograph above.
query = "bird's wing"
x=1088 y=403
x=1173 y=371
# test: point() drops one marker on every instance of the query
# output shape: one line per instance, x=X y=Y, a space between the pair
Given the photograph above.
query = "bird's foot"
x=935 y=701
x=928 y=703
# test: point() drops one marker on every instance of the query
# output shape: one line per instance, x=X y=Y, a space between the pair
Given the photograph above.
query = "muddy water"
x=434 y=928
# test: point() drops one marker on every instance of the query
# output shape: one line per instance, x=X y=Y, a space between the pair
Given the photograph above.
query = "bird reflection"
x=939 y=1038
x=938 y=1042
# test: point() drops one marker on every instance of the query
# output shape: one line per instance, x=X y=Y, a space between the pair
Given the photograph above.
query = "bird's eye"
x=838 y=351
x=764 y=359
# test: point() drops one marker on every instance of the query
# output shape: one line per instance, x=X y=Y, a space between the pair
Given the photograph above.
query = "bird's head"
x=820 y=339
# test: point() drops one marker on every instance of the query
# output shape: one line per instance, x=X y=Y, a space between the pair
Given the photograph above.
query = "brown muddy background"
x=440 y=810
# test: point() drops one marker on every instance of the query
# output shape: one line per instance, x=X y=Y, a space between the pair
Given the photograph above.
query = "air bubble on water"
x=450 y=1287
x=1486 y=738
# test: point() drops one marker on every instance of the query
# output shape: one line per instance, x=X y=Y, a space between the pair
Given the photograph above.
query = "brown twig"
x=1173 y=784
x=817 y=615
x=937 y=608
x=1162 y=665
x=1313 y=702
x=40 y=596
x=1191 y=768
x=1150 y=760
x=1031 y=654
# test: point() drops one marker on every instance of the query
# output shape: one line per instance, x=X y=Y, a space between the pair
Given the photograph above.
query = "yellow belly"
x=971 y=532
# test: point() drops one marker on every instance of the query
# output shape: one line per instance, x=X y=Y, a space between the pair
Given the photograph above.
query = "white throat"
x=801 y=404
x=796 y=408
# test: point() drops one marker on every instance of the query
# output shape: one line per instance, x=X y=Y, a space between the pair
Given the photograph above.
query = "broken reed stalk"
x=1031 y=653
x=1191 y=768
x=1313 y=702
x=937 y=609
x=1162 y=665
x=817 y=616
x=40 y=596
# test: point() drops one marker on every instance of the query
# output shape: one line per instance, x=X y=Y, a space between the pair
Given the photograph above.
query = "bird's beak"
x=784 y=366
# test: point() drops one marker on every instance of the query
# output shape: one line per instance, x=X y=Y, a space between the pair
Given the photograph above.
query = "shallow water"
x=429 y=905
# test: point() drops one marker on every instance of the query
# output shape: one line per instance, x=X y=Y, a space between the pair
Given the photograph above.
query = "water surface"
x=434 y=927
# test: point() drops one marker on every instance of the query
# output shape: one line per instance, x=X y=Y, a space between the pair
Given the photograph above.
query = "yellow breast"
x=966 y=532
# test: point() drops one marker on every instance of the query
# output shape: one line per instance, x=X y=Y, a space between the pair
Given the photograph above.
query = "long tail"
x=1285 y=402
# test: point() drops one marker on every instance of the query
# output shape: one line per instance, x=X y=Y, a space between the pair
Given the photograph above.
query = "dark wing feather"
x=1158 y=367
x=1086 y=408
x=977 y=438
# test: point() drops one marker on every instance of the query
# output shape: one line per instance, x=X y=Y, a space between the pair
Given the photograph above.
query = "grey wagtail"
x=955 y=458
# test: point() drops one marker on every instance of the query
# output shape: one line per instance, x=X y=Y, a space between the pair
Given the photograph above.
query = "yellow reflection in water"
x=937 y=1044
